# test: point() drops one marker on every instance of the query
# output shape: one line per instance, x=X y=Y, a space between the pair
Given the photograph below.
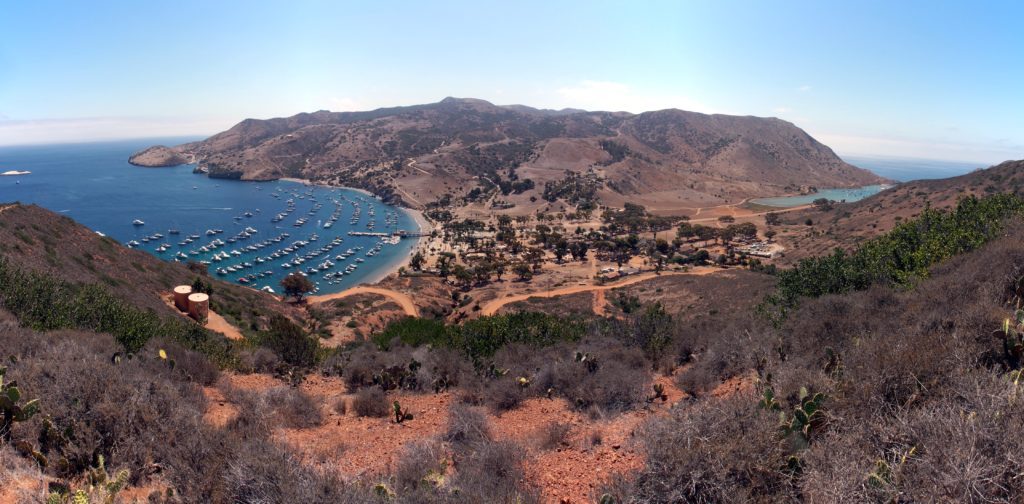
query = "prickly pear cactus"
x=1012 y=335
x=10 y=409
x=807 y=417
x=400 y=414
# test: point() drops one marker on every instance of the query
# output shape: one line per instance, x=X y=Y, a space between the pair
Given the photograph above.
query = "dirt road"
x=401 y=298
x=215 y=322
x=493 y=306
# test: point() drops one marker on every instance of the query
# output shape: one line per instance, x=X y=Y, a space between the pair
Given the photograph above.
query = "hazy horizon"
x=894 y=167
x=915 y=79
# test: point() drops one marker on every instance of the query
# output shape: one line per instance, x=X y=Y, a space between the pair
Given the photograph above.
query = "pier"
x=400 y=234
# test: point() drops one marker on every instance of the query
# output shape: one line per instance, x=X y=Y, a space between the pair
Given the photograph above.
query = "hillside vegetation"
x=890 y=373
x=419 y=154
x=847 y=224
x=40 y=241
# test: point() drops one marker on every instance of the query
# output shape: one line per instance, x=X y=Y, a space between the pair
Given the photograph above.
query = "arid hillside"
x=38 y=240
x=846 y=224
x=416 y=155
x=868 y=387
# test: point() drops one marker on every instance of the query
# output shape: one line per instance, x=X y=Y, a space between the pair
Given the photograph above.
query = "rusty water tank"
x=198 y=306
x=181 y=293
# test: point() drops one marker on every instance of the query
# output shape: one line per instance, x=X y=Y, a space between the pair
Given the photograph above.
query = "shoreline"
x=882 y=187
x=403 y=261
x=418 y=219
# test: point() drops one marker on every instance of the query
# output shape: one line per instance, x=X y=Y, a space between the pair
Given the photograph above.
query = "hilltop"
x=418 y=154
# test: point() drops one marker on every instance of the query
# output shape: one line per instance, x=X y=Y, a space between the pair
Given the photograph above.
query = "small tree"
x=204 y=286
x=297 y=286
x=417 y=261
x=290 y=342
x=823 y=204
x=524 y=271
x=463 y=276
x=561 y=249
x=772 y=219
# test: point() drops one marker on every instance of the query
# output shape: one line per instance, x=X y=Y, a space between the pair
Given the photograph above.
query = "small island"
x=157 y=156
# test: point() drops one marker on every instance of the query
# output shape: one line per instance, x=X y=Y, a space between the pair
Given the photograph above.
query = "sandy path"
x=600 y=303
x=493 y=306
x=755 y=214
x=215 y=322
x=401 y=298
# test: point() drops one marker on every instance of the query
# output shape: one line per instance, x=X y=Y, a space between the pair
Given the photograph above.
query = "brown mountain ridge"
x=417 y=154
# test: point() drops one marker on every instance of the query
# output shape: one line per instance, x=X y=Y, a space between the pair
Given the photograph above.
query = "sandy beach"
x=403 y=260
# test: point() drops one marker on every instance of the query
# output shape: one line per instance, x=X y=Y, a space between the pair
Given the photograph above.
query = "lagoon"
x=843 y=194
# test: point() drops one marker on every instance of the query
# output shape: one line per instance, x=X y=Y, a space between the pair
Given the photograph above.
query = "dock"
x=400 y=234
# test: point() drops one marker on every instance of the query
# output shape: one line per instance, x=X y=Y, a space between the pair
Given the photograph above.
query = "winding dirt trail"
x=752 y=214
x=401 y=298
x=493 y=306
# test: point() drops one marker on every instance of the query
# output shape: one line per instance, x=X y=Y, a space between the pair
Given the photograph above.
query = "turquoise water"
x=95 y=185
x=848 y=195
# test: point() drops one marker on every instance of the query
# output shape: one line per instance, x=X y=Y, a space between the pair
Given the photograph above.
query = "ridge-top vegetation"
x=898 y=257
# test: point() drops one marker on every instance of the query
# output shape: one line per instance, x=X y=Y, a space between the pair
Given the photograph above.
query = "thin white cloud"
x=983 y=152
x=345 y=104
x=86 y=129
x=616 y=96
x=803 y=89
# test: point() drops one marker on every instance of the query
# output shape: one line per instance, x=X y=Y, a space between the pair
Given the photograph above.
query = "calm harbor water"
x=94 y=184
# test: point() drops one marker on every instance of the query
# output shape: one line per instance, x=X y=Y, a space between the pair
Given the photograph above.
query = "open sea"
x=258 y=222
x=907 y=169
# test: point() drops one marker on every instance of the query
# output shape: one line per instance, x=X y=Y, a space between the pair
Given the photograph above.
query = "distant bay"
x=898 y=169
x=906 y=169
x=845 y=194
x=94 y=184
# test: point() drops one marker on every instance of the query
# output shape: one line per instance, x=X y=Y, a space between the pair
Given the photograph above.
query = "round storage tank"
x=198 y=306
x=181 y=293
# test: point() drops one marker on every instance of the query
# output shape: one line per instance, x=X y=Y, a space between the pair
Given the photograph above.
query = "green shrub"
x=45 y=303
x=479 y=339
x=897 y=257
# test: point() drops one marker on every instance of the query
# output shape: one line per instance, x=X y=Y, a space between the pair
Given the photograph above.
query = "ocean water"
x=906 y=169
x=94 y=184
x=898 y=169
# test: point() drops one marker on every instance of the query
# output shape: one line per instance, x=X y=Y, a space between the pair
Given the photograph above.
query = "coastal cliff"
x=157 y=156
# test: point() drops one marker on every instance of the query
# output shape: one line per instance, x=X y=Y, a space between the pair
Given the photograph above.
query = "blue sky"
x=933 y=79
